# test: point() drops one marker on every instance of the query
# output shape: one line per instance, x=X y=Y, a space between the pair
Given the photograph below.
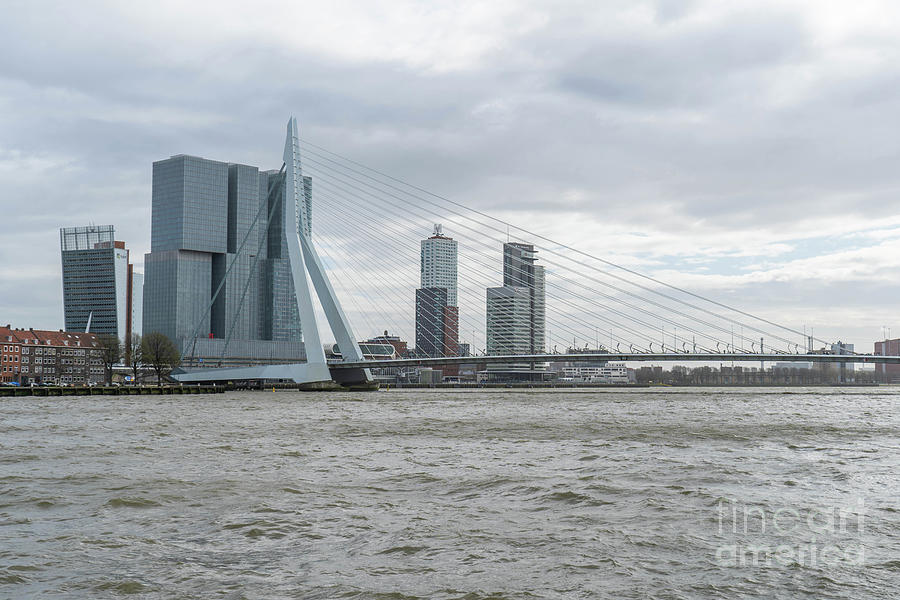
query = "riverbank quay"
x=517 y=385
x=588 y=386
x=110 y=390
x=155 y=390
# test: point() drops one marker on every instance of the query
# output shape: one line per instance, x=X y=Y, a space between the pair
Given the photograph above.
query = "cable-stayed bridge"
x=357 y=261
x=626 y=356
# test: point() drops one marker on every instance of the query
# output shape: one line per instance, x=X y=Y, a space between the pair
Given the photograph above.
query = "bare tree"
x=160 y=354
x=110 y=353
x=135 y=355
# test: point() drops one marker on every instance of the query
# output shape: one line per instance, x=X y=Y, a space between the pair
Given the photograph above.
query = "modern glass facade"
x=190 y=208
x=218 y=227
x=508 y=320
x=280 y=315
x=96 y=280
x=137 y=303
x=520 y=270
x=431 y=306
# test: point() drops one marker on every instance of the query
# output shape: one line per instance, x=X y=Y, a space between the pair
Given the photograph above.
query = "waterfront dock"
x=110 y=390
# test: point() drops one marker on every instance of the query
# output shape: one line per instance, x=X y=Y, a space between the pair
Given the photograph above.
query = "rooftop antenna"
x=87 y=329
x=438 y=229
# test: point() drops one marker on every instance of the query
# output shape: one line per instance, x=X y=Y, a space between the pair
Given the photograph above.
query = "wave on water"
x=132 y=502
x=425 y=494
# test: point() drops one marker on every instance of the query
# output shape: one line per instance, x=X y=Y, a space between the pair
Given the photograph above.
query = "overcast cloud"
x=747 y=150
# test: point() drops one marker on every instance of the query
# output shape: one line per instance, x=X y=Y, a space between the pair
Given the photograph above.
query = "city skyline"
x=721 y=186
x=202 y=207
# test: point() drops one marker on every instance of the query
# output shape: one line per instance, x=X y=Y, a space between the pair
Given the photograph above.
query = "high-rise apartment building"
x=437 y=313
x=520 y=270
x=209 y=234
x=516 y=314
x=438 y=264
x=99 y=283
x=508 y=320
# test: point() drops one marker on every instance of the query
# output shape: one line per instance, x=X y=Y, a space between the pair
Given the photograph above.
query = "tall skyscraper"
x=520 y=270
x=516 y=314
x=437 y=314
x=209 y=233
x=438 y=264
x=99 y=283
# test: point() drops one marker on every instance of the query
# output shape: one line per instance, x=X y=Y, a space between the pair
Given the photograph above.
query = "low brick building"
x=53 y=357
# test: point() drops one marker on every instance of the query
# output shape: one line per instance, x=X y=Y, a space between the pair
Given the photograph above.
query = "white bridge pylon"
x=304 y=260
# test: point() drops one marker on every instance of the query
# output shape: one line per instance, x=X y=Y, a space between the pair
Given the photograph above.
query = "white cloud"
x=434 y=36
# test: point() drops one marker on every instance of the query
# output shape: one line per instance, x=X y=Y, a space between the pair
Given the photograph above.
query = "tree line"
x=153 y=350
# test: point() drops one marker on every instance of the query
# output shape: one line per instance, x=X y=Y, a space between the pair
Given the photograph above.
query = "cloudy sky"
x=746 y=150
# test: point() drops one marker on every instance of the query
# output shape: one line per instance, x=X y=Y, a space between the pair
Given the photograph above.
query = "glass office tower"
x=520 y=270
x=98 y=281
x=508 y=320
x=209 y=233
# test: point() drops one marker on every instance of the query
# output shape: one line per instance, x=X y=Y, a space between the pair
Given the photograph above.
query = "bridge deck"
x=626 y=356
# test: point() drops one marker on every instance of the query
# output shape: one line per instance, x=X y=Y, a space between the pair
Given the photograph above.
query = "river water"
x=660 y=493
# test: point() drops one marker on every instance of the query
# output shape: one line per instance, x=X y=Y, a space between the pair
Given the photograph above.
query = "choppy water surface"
x=431 y=494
